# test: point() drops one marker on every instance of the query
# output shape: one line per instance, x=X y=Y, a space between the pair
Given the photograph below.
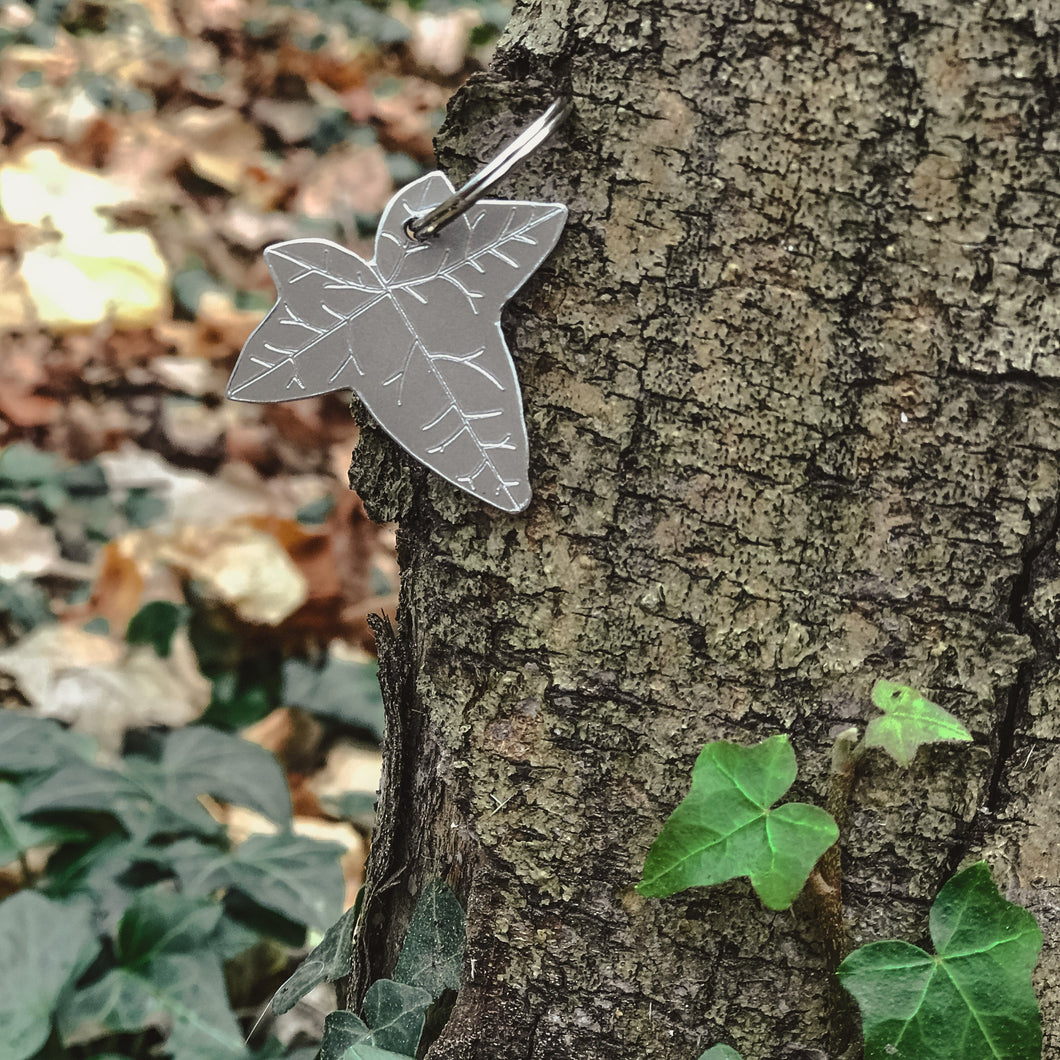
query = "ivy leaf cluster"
x=396 y=1010
x=145 y=899
x=972 y=999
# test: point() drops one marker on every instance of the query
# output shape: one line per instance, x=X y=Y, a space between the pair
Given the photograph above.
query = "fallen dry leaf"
x=217 y=334
x=102 y=687
x=194 y=498
x=440 y=41
x=345 y=182
x=187 y=375
x=192 y=428
x=312 y=552
x=410 y=117
x=350 y=767
x=118 y=591
x=294 y=120
x=238 y=565
x=218 y=143
x=89 y=427
x=26 y=547
x=16 y=306
x=92 y=271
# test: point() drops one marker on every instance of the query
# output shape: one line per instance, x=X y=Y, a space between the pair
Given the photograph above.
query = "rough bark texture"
x=792 y=382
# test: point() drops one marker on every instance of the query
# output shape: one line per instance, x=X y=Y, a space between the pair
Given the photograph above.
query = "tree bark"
x=792 y=382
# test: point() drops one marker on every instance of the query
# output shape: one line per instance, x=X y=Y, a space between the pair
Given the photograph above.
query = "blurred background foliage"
x=191 y=719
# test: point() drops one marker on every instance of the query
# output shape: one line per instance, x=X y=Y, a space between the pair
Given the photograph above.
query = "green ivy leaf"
x=973 y=1001
x=909 y=721
x=101 y=870
x=347 y=1037
x=154 y=797
x=727 y=827
x=205 y=761
x=328 y=961
x=721 y=1052
x=18 y=835
x=141 y=508
x=341 y=1030
x=274 y=1049
x=395 y=1012
x=297 y=877
x=156 y=623
x=44 y=946
x=22 y=465
x=184 y=990
x=29 y=744
x=341 y=689
x=24 y=605
x=367 y=1051
x=82 y=787
x=159 y=921
x=432 y=956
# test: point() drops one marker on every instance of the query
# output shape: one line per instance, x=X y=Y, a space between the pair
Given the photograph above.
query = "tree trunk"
x=792 y=383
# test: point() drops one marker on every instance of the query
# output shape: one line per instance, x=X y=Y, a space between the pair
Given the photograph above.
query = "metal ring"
x=462 y=199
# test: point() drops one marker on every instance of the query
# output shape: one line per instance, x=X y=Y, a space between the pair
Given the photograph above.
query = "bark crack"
x=1019 y=693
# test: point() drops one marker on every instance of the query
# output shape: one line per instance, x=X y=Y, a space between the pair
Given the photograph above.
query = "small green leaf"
x=100 y=871
x=366 y=1051
x=973 y=1001
x=151 y=797
x=205 y=761
x=909 y=721
x=237 y=702
x=432 y=956
x=83 y=787
x=395 y=1012
x=721 y=1052
x=727 y=827
x=44 y=946
x=142 y=797
x=169 y=805
x=341 y=1031
x=328 y=961
x=24 y=604
x=160 y=922
x=182 y=989
x=340 y=689
x=22 y=465
x=141 y=508
x=156 y=623
x=297 y=877
x=29 y=744
x=87 y=479
x=18 y=835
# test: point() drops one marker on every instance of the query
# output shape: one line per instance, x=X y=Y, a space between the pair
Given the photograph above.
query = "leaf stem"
x=827 y=885
x=828 y=876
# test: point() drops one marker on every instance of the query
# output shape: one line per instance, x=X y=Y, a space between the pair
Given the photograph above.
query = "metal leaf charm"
x=415 y=332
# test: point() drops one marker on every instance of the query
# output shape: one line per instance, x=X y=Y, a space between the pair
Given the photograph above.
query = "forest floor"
x=151 y=151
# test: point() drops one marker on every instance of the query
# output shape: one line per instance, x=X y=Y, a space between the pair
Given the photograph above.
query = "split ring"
x=464 y=198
